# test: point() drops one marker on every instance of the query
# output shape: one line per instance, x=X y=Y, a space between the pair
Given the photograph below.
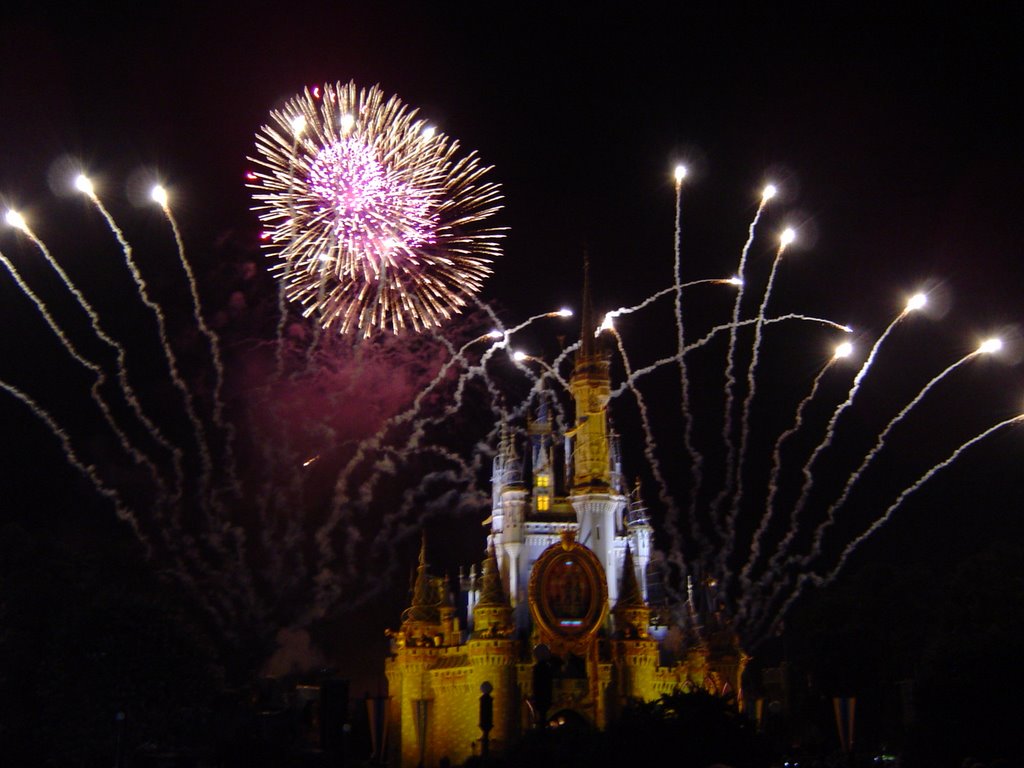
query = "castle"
x=560 y=627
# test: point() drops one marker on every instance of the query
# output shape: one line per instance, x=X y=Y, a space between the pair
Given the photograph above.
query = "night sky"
x=894 y=139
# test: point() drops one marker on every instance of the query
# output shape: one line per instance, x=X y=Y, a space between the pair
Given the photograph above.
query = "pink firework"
x=374 y=221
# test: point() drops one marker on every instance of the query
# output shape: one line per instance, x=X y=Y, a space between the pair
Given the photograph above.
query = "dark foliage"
x=690 y=729
x=932 y=659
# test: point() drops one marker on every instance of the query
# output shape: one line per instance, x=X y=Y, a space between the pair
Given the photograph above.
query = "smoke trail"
x=122 y=370
x=376 y=443
x=826 y=441
x=218 y=526
x=728 y=532
x=88 y=471
x=853 y=545
x=819 y=534
x=99 y=378
x=672 y=512
x=215 y=353
x=665 y=292
x=730 y=357
x=206 y=472
x=696 y=458
x=713 y=334
x=773 y=485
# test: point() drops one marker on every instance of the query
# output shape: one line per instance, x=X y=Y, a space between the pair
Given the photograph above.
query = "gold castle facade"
x=558 y=625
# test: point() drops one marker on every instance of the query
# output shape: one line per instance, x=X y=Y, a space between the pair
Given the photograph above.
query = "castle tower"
x=416 y=647
x=508 y=516
x=492 y=614
x=541 y=459
x=597 y=503
x=422 y=619
x=634 y=651
x=493 y=652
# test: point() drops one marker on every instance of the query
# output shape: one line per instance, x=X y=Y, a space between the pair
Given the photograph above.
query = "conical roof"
x=491 y=590
x=424 y=593
x=630 y=595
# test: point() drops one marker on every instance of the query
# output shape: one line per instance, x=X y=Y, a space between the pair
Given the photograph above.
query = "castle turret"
x=508 y=515
x=631 y=614
x=492 y=614
x=640 y=536
x=493 y=652
x=635 y=651
x=424 y=610
x=541 y=460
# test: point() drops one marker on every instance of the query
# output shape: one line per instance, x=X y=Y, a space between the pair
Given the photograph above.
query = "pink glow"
x=374 y=212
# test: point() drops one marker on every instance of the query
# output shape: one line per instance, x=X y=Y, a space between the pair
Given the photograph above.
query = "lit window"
x=543 y=481
x=543 y=502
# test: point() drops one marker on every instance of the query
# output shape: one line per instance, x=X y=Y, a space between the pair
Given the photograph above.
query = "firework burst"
x=375 y=223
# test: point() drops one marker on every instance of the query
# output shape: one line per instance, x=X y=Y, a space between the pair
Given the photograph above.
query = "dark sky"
x=894 y=138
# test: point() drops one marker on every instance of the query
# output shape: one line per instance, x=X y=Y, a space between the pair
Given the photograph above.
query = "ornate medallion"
x=568 y=593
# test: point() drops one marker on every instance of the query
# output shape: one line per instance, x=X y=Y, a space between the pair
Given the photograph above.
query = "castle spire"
x=590 y=386
x=491 y=591
x=631 y=614
x=629 y=593
x=424 y=592
x=492 y=614
x=587 y=319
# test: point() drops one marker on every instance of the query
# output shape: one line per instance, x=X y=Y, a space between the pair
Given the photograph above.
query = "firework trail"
x=127 y=390
x=696 y=458
x=375 y=442
x=175 y=548
x=414 y=446
x=87 y=471
x=881 y=521
x=99 y=378
x=159 y=195
x=990 y=346
x=728 y=531
x=916 y=302
x=172 y=363
x=340 y=507
x=730 y=359
x=650 y=447
x=217 y=528
x=376 y=224
x=621 y=311
x=773 y=478
x=713 y=334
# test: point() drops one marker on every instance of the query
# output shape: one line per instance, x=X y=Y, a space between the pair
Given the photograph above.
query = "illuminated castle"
x=558 y=622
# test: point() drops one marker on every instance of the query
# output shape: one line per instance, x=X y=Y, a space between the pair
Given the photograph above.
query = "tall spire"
x=587 y=319
x=591 y=389
x=424 y=592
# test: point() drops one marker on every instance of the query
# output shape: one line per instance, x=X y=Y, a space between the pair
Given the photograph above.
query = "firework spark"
x=375 y=222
